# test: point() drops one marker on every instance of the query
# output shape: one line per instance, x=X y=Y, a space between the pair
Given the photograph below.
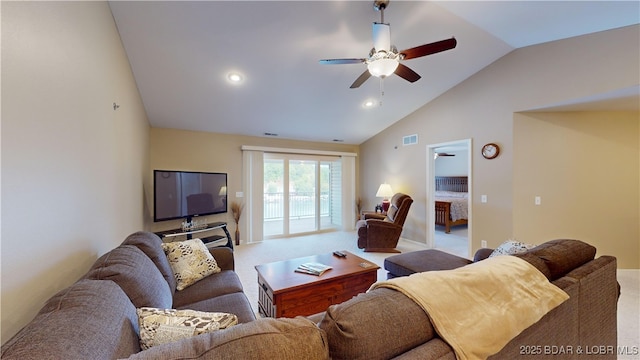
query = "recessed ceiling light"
x=234 y=77
x=369 y=104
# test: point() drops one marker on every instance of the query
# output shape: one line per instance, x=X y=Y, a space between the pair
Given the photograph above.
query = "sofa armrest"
x=482 y=254
x=224 y=257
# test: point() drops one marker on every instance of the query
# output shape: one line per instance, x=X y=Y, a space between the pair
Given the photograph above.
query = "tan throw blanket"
x=480 y=307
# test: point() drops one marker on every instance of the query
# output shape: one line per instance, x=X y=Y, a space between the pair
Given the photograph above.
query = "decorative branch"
x=236 y=210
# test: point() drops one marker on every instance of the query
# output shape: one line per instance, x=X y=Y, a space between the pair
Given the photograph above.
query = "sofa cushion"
x=190 y=261
x=555 y=258
x=91 y=319
x=161 y=326
x=224 y=282
x=235 y=303
x=282 y=339
x=434 y=349
x=151 y=244
x=379 y=324
x=136 y=274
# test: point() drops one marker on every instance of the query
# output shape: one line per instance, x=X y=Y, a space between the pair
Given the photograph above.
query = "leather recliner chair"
x=380 y=233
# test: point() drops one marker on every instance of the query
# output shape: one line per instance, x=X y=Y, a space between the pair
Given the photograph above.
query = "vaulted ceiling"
x=182 y=52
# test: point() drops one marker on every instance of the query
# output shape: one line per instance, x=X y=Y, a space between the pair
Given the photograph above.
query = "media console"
x=212 y=240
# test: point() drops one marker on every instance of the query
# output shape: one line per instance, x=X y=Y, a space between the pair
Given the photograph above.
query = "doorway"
x=449 y=159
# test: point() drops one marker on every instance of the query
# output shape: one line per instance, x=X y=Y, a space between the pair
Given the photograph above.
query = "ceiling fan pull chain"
x=381 y=90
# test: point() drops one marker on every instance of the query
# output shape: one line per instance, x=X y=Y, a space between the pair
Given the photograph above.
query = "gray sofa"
x=385 y=324
x=96 y=319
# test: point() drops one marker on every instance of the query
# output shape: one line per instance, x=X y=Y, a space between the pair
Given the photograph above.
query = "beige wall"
x=72 y=167
x=201 y=151
x=582 y=165
x=482 y=108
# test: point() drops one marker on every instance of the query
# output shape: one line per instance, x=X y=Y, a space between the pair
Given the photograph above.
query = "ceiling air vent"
x=410 y=140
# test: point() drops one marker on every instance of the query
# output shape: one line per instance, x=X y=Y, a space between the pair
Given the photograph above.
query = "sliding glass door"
x=302 y=194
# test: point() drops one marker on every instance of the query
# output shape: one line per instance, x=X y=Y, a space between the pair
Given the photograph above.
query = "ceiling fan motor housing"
x=381 y=36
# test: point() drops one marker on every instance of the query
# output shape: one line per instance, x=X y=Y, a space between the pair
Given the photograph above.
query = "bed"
x=451 y=201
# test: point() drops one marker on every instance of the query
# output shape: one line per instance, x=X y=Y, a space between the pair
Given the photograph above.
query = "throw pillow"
x=161 y=326
x=190 y=261
x=511 y=247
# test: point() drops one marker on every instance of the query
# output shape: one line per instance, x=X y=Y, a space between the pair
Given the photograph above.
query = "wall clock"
x=490 y=151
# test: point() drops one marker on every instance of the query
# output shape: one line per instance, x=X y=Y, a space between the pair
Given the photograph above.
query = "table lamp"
x=385 y=192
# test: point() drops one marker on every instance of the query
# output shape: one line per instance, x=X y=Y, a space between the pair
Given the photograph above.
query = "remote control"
x=339 y=254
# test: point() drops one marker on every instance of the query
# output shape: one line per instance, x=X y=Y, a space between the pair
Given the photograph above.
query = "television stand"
x=211 y=240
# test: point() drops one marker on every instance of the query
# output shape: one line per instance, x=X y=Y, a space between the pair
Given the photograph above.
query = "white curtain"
x=348 y=192
x=252 y=184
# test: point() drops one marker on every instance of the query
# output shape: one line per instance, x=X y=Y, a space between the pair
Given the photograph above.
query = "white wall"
x=72 y=167
x=457 y=165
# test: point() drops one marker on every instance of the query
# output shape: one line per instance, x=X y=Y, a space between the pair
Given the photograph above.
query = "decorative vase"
x=237 y=236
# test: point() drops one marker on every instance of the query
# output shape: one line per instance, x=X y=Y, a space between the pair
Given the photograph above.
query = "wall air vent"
x=410 y=140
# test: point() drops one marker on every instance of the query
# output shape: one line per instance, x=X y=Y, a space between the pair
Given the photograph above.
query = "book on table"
x=313 y=268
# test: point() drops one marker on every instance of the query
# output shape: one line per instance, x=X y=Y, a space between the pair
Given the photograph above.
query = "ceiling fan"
x=384 y=59
x=442 y=154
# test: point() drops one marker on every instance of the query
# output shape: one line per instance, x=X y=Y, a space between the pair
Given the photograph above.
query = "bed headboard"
x=452 y=183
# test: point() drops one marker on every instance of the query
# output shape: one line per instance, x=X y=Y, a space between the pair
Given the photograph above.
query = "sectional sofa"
x=95 y=318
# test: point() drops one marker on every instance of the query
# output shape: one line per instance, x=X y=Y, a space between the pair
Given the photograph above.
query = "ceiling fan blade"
x=428 y=49
x=361 y=79
x=404 y=72
x=341 y=61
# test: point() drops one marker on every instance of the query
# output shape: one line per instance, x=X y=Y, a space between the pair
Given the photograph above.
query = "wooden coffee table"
x=286 y=293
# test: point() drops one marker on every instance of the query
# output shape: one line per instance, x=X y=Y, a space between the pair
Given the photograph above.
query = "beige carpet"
x=247 y=256
x=456 y=242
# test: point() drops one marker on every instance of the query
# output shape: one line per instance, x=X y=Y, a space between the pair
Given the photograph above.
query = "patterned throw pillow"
x=511 y=247
x=161 y=326
x=190 y=261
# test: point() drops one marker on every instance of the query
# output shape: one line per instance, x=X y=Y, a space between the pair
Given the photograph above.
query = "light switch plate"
x=239 y=194
x=483 y=198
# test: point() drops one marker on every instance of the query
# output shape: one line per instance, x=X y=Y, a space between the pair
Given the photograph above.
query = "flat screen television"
x=186 y=194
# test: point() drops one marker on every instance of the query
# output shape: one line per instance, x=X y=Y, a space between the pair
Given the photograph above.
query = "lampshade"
x=384 y=191
x=383 y=67
x=223 y=191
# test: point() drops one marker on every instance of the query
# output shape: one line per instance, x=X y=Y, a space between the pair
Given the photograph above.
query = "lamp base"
x=385 y=205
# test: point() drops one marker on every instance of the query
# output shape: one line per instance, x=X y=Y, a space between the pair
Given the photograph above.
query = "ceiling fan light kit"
x=384 y=59
x=383 y=67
